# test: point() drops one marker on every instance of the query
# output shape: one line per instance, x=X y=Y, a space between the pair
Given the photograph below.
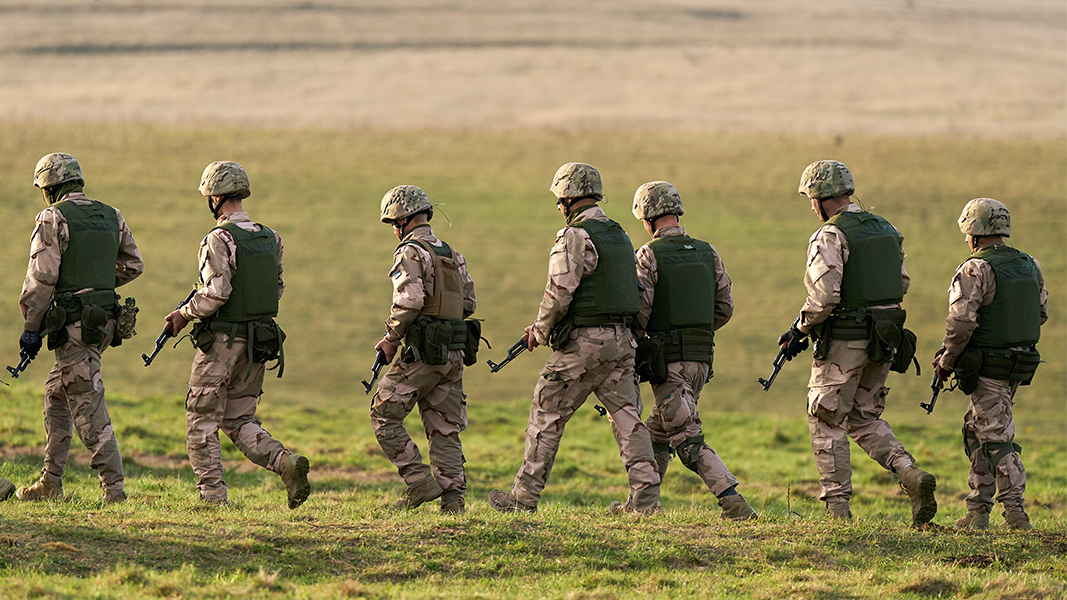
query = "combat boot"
x=455 y=507
x=1017 y=519
x=416 y=496
x=838 y=509
x=41 y=490
x=920 y=486
x=6 y=489
x=113 y=495
x=735 y=508
x=618 y=508
x=214 y=500
x=974 y=519
x=293 y=470
x=506 y=502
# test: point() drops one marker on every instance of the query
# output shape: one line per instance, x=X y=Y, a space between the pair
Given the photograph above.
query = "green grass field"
x=321 y=189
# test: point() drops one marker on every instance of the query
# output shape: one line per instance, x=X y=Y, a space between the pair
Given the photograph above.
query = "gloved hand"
x=31 y=343
x=794 y=342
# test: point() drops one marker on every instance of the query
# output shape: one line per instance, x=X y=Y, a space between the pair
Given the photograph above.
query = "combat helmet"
x=225 y=177
x=655 y=199
x=56 y=168
x=985 y=216
x=826 y=179
x=402 y=202
x=577 y=180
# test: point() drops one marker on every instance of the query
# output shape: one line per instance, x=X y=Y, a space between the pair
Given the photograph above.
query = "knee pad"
x=970 y=442
x=658 y=448
x=689 y=451
x=998 y=451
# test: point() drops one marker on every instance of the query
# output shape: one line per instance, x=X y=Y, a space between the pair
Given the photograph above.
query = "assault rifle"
x=163 y=337
x=518 y=348
x=778 y=362
x=935 y=385
x=375 y=369
x=24 y=361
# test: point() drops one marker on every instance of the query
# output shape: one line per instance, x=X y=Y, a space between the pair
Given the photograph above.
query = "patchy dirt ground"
x=985 y=67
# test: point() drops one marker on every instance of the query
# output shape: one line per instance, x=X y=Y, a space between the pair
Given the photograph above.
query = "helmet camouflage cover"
x=225 y=177
x=655 y=199
x=56 y=168
x=402 y=201
x=985 y=216
x=826 y=179
x=577 y=180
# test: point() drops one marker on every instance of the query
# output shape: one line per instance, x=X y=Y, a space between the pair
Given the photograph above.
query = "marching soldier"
x=237 y=300
x=997 y=304
x=81 y=250
x=685 y=297
x=432 y=295
x=856 y=281
x=590 y=303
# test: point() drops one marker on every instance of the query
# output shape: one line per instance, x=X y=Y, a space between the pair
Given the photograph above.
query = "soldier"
x=81 y=250
x=589 y=305
x=685 y=297
x=856 y=280
x=997 y=304
x=240 y=285
x=432 y=295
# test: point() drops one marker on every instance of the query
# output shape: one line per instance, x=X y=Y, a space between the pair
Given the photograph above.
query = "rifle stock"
x=516 y=349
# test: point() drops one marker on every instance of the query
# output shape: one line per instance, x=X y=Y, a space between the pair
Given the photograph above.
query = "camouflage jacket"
x=572 y=256
x=973 y=286
x=218 y=262
x=47 y=245
x=412 y=276
x=827 y=255
x=648 y=275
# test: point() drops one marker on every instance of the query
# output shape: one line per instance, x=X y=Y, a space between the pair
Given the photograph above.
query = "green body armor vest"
x=872 y=272
x=93 y=249
x=683 y=313
x=609 y=293
x=255 y=284
x=1013 y=318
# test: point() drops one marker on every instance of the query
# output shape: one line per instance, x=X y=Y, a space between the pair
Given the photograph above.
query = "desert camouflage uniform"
x=674 y=418
x=597 y=360
x=988 y=417
x=222 y=392
x=437 y=390
x=74 y=391
x=847 y=391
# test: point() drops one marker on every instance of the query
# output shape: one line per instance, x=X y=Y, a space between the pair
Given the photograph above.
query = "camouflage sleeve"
x=281 y=277
x=827 y=253
x=724 y=299
x=470 y=303
x=218 y=261
x=409 y=292
x=647 y=276
x=129 y=264
x=973 y=286
x=571 y=257
x=1044 y=292
x=47 y=244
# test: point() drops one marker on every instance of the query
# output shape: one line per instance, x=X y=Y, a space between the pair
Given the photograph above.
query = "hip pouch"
x=429 y=339
x=474 y=339
x=1010 y=365
x=651 y=360
x=125 y=322
x=906 y=353
x=560 y=335
x=966 y=370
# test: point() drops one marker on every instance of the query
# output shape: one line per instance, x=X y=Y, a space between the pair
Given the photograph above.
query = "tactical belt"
x=691 y=344
x=600 y=320
x=855 y=324
x=1006 y=364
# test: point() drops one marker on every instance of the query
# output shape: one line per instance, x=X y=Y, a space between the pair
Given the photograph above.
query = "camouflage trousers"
x=989 y=420
x=74 y=401
x=845 y=400
x=674 y=421
x=223 y=394
x=437 y=390
x=597 y=360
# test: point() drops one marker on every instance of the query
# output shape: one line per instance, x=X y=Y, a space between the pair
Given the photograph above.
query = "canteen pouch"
x=651 y=363
x=94 y=325
x=561 y=333
x=267 y=340
x=436 y=337
x=202 y=337
x=470 y=345
x=906 y=353
x=55 y=326
x=966 y=370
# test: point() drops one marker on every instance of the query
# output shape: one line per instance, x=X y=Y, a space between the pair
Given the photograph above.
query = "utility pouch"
x=437 y=336
x=412 y=350
x=884 y=343
x=474 y=338
x=202 y=337
x=55 y=324
x=966 y=370
x=561 y=333
x=906 y=353
x=820 y=334
x=94 y=324
x=1010 y=365
x=126 y=320
x=651 y=360
x=267 y=340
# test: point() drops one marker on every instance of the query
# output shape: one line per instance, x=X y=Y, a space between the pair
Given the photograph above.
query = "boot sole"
x=927 y=502
x=303 y=488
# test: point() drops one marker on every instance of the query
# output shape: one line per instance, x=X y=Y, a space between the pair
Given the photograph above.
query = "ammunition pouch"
x=93 y=309
x=1009 y=365
x=474 y=339
x=888 y=341
x=430 y=339
x=265 y=340
x=659 y=349
x=561 y=333
x=998 y=451
x=966 y=370
x=651 y=360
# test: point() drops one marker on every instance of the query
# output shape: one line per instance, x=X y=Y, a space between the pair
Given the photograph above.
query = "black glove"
x=795 y=342
x=31 y=343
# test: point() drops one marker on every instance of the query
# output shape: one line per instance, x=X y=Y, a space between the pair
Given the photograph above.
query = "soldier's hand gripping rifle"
x=166 y=335
x=518 y=348
x=30 y=345
x=935 y=385
x=798 y=344
x=375 y=369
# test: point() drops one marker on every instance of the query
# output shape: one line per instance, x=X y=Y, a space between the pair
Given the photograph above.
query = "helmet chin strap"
x=215 y=208
x=822 y=211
